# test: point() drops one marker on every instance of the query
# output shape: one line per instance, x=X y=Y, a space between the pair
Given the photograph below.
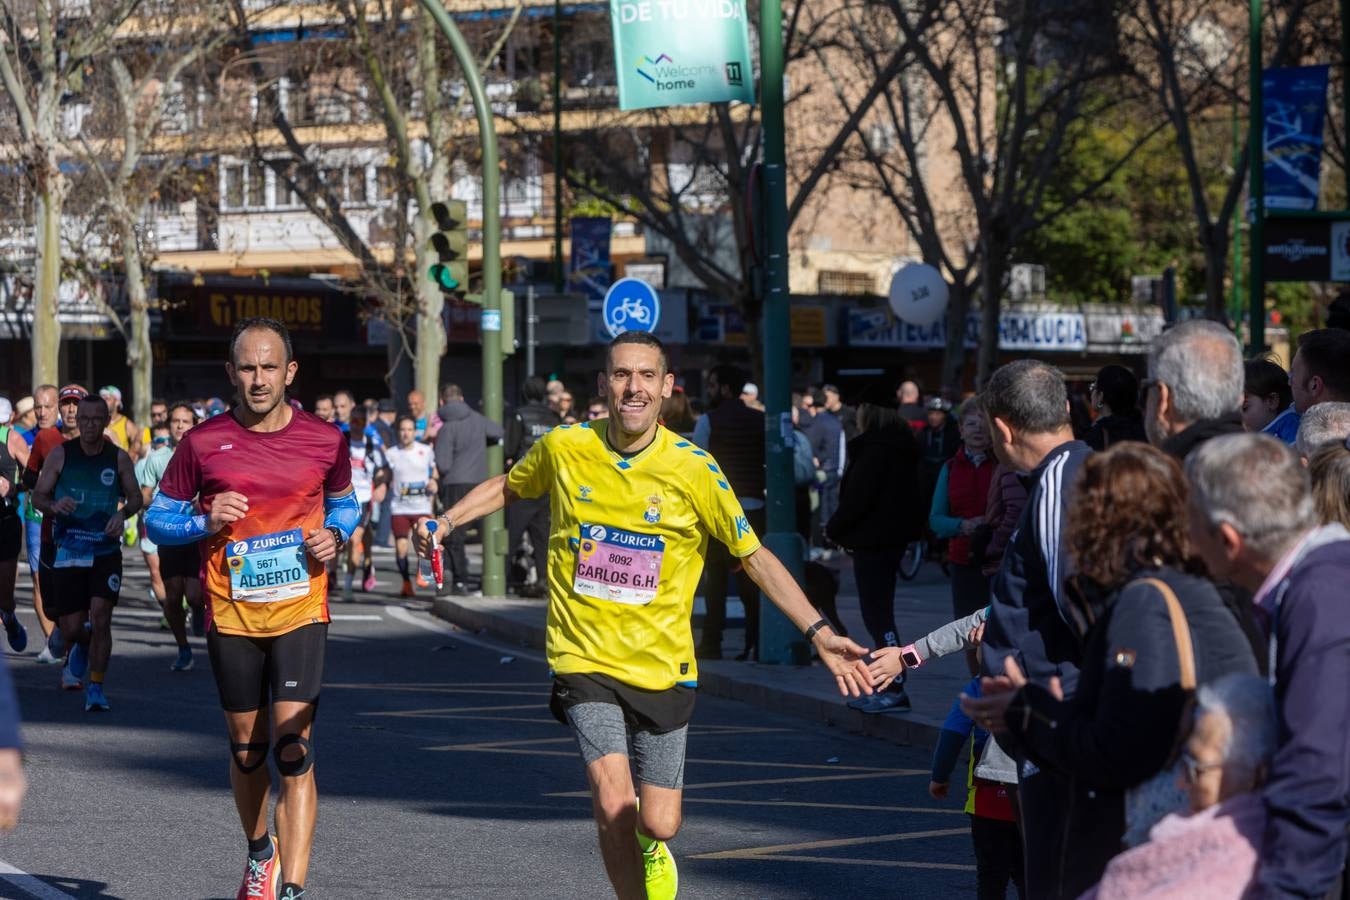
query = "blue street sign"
x=631 y=305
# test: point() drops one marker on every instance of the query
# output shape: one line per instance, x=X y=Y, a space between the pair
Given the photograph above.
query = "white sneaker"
x=46 y=657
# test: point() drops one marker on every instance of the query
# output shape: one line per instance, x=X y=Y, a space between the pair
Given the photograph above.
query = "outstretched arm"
x=483 y=500
x=840 y=655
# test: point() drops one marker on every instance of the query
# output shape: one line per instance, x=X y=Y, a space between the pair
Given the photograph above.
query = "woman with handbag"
x=1152 y=629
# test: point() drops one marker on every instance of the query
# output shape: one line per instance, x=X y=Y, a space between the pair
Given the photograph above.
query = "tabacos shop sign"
x=673 y=52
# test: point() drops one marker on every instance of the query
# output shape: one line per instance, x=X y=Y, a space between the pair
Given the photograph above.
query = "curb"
x=897 y=728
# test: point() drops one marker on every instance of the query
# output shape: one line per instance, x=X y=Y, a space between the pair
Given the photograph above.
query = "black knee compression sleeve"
x=240 y=752
x=293 y=767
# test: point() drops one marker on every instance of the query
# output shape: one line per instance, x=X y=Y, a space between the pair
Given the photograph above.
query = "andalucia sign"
x=671 y=52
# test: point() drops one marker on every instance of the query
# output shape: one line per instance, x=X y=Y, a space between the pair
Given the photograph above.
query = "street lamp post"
x=779 y=641
x=494 y=531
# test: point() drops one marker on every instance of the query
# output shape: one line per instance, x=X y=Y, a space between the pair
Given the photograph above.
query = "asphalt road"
x=442 y=774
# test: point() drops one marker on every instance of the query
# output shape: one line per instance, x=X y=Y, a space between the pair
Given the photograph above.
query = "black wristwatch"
x=338 y=539
x=810 y=633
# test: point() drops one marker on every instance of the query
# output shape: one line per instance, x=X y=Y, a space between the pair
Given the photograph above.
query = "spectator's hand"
x=227 y=508
x=844 y=659
x=5 y=485
x=968 y=526
x=887 y=665
x=989 y=710
x=976 y=636
x=939 y=790
x=13 y=786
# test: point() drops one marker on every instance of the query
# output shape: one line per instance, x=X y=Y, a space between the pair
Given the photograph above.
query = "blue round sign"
x=631 y=305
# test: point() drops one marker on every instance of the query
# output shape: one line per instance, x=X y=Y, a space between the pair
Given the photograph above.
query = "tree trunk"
x=1214 y=237
x=954 y=354
x=993 y=265
x=46 y=347
x=430 y=306
x=139 y=357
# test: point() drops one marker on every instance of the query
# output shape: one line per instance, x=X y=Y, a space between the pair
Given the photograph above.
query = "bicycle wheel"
x=912 y=560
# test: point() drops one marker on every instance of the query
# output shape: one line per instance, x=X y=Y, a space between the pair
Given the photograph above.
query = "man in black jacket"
x=1027 y=405
x=531 y=421
x=1194 y=387
x=461 y=459
x=734 y=434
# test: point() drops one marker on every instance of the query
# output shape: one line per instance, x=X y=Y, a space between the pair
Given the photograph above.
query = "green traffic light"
x=441 y=275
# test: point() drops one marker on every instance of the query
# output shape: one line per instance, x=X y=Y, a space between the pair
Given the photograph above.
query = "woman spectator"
x=1115 y=395
x=880 y=512
x=1268 y=401
x=1211 y=852
x=959 y=503
x=676 y=414
x=1149 y=626
x=1329 y=470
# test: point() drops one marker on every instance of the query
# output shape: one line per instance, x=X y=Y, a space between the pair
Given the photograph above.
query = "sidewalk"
x=920 y=606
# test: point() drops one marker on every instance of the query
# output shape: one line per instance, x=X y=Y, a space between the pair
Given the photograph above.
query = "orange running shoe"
x=262 y=878
x=407 y=590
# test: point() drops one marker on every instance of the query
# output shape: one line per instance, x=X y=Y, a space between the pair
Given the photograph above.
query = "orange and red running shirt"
x=256 y=572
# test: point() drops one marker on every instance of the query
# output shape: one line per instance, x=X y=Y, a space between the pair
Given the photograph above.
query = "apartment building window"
x=386 y=183
x=257 y=187
x=356 y=185
x=845 y=283
x=234 y=187
x=332 y=177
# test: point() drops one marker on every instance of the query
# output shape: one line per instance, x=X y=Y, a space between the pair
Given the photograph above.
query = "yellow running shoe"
x=663 y=878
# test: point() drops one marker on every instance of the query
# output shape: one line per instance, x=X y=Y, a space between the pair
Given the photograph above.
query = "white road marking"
x=354 y=617
x=442 y=627
x=31 y=885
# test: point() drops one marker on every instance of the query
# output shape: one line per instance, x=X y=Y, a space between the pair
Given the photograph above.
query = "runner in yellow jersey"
x=633 y=507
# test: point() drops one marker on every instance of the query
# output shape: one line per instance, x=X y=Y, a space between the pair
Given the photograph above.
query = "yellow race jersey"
x=626 y=549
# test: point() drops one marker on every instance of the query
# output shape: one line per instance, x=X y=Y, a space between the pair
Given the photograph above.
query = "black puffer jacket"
x=880 y=498
x=1120 y=728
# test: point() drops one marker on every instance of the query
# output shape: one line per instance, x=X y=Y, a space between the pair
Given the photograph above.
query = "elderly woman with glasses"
x=1210 y=852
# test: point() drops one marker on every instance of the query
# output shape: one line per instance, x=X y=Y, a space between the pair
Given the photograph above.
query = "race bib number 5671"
x=620 y=566
x=268 y=568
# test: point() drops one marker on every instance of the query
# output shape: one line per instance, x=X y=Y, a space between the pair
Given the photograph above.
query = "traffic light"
x=450 y=241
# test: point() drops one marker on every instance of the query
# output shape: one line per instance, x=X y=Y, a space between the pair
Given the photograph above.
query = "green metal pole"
x=494 y=531
x=558 y=282
x=1235 y=307
x=777 y=635
x=1256 y=189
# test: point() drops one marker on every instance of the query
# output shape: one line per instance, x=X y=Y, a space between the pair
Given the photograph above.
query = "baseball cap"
x=750 y=388
x=109 y=390
x=6 y=411
x=937 y=403
x=387 y=405
x=24 y=406
x=72 y=392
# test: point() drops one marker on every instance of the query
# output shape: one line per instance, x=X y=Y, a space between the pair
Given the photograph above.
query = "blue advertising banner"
x=591 y=271
x=1294 y=106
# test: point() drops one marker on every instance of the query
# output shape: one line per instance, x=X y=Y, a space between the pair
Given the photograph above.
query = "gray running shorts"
x=600 y=730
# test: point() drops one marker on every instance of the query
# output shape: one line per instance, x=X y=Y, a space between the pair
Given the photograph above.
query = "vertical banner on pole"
x=673 y=52
x=1294 y=106
x=591 y=271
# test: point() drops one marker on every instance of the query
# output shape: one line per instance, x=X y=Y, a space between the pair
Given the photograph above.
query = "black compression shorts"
x=179 y=562
x=11 y=534
x=252 y=672
x=71 y=587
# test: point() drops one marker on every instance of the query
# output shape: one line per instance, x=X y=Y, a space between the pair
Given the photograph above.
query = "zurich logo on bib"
x=631 y=305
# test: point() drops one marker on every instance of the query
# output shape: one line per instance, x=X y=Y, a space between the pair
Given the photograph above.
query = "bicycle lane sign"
x=631 y=305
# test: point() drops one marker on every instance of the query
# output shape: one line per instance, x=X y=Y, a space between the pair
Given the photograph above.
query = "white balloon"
x=918 y=294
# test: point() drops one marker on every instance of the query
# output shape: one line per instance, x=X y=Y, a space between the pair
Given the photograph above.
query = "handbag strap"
x=1181 y=632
